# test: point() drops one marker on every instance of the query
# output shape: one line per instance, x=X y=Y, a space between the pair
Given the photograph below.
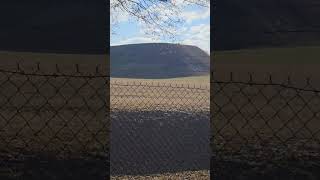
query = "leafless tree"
x=158 y=17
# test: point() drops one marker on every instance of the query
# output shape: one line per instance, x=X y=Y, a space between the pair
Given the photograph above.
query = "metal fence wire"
x=52 y=121
x=264 y=130
x=159 y=128
x=60 y=123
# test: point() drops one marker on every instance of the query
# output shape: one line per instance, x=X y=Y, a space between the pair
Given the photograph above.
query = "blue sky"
x=194 y=31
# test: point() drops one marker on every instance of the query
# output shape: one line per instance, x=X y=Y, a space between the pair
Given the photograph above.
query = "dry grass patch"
x=187 y=175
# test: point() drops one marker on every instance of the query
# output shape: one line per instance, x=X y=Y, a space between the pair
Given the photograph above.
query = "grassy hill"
x=276 y=37
x=69 y=26
x=246 y=24
x=158 y=60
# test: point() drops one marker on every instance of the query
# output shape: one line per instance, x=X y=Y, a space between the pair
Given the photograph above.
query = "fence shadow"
x=155 y=142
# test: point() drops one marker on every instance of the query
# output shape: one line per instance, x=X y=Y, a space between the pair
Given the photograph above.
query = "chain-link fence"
x=54 y=125
x=159 y=128
x=265 y=130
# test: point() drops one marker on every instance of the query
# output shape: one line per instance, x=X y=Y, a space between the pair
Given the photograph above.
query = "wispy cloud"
x=198 y=35
x=136 y=40
x=190 y=16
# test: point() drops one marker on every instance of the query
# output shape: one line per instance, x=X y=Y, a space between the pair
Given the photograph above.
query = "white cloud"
x=119 y=16
x=190 y=16
x=136 y=40
x=198 y=35
x=178 y=2
x=123 y=17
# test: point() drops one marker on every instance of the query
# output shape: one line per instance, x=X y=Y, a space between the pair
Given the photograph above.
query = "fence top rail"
x=283 y=85
x=56 y=74
x=287 y=82
x=122 y=83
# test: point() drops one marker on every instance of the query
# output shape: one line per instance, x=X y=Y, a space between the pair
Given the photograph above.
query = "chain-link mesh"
x=54 y=125
x=159 y=128
x=265 y=130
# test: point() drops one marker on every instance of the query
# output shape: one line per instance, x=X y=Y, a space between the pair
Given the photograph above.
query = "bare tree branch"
x=159 y=17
